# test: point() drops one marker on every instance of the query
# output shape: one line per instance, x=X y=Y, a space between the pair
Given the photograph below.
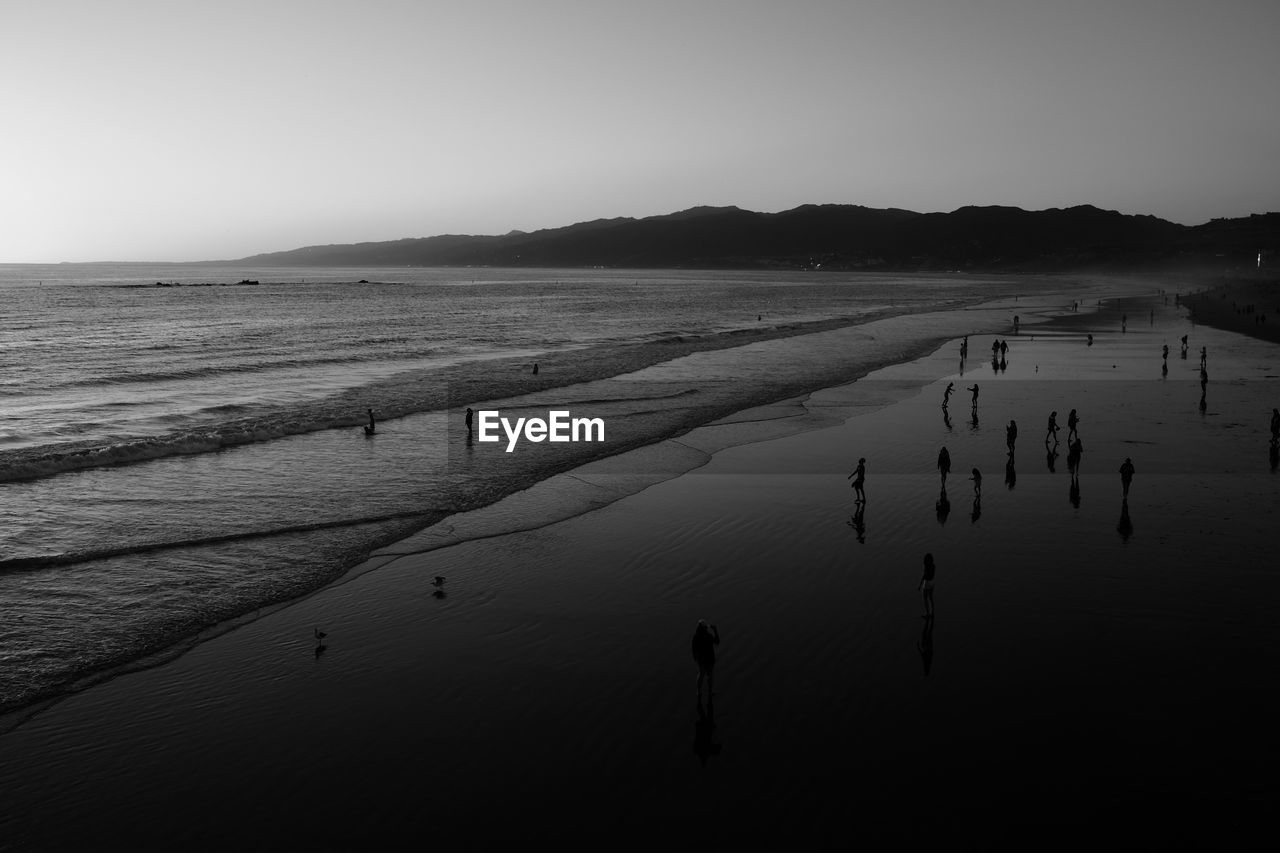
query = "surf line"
x=558 y=426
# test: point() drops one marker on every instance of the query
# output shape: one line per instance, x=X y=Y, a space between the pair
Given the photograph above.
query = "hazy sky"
x=175 y=130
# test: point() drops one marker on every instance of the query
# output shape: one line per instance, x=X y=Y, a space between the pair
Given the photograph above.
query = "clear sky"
x=176 y=130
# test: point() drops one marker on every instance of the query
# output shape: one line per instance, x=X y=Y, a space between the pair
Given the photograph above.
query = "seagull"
x=439 y=581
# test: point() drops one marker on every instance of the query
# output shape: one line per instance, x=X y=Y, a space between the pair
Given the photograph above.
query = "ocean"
x=181 y=446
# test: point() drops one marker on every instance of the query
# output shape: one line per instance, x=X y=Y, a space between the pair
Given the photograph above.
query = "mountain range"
x=843 y=237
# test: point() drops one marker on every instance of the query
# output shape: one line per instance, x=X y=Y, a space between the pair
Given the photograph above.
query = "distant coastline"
x=840 y=237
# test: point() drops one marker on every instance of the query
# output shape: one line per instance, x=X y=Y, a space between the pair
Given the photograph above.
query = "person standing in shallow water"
x=977 y=482
x=705 y=639
x=926 y=586
x=1126 y=475
x=974 y=389
x=946 y=395
x=1053 y=428
x=859 y=475
x=944 y=464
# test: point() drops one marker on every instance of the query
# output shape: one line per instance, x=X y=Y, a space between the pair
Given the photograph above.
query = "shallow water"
x=179 y=456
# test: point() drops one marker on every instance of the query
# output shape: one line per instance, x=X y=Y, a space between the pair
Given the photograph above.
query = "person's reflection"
x=858 y=523
x=977 y=509
x=1010 y=475
x=946 y=418
x=1275 y=457
x=1004 y=365
x=995 y=365
x=1051 y=458
x=973 y=420
x=1203 y=404
x=925 y=645
x=704 y=732
x=943 y=506
x=1125 y=526
x=1074 y=494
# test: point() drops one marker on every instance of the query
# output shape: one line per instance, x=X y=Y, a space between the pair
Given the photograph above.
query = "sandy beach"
x=1097 y=669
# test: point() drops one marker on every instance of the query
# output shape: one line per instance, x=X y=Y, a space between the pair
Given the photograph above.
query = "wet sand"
x=1085 y=677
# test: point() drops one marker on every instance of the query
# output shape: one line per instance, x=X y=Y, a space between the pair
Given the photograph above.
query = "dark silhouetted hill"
x=835 y=237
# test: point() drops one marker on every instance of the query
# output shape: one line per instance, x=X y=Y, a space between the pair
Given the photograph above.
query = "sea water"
x=181 y=446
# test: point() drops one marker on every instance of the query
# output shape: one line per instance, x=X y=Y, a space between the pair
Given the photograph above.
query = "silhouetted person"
x=974 y=389
x=944 y=464
x=1126 y=475
x=859 y=475
x=1073 y=421
x=1053 y=428
x=705 y=639
x=372 y=427
x=1090 y=336
x=535 y=368
x=1004 y=348
x=995 y=349
x=1015 y=324
x=946 y=395
x=926 y=585
x=943 y=506
x=470 y=416
x=1010 y=475
x=1011 y=435
x=925 y=646
x=977 y=482
x=1125 y=526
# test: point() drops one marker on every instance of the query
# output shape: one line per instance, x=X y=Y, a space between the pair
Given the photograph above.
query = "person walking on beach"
x=977 y=483
x=1004 y=349
x=944 y=464
x=946 y=395
x=470 y=417
x=372 y=427
x=705 y=639
x=926 y=586
x=1053 y=428
x=1072 y=422
x=1126 y=475
x=1011 y=435
x=974 y=389
x=859 y=475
